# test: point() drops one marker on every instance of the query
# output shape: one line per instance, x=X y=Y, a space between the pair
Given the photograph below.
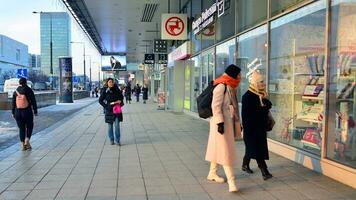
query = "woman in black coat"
x=144 y=93
x=110 y=96
x=255 y=108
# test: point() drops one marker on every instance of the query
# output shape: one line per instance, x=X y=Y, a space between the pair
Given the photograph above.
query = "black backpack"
x=204 y=101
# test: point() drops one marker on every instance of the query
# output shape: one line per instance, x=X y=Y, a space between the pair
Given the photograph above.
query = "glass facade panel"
x=196 y=82
x=187 y=86
x=226 y=22
x=208 y=68
x=341 y=138
x=296 y=77
x=208 y=34
x=196 y=39
x=252 y=51
x=225 y=55
x=250 y=13
x=279 y=6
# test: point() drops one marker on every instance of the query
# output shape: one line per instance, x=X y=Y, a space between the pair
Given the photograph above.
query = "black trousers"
x=260 y=162
x=24 y=120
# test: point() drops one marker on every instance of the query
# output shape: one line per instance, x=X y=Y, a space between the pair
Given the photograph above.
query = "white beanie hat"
x=256 y=77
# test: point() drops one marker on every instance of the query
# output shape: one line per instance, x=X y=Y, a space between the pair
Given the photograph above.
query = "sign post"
x=22 y=73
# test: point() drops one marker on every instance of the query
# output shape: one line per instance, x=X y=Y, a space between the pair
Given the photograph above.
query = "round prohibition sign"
x=172 y=24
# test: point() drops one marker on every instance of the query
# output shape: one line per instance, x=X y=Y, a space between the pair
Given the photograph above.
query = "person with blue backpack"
x=224 y=127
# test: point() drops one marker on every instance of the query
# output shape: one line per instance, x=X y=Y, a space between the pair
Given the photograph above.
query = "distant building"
x=13 y=56
x=34 y=62
x=61 y=37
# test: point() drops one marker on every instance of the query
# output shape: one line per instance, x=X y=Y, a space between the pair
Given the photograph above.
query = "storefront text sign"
x=174 y=27
x=207 y=17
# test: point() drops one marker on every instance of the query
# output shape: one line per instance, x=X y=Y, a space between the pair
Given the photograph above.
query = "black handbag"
x=270 y=122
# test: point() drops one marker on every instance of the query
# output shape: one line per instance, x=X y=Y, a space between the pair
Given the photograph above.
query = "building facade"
x=34 y=62
x=55 y=25
x=306 y=49
x=13 y=56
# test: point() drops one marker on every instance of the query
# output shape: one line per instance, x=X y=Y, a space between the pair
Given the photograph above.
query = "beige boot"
x=229 y=172
x=27 y=144
x=213 y=176
x=23 y=146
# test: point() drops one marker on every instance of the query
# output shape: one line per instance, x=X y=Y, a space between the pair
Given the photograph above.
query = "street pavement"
x=47 y=117
x=162 y=158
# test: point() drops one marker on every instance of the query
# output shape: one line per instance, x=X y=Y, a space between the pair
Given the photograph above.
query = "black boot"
x=265 y=174
x=246 y=165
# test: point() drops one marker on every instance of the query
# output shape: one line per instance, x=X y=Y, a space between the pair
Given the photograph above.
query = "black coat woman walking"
x=24 y=106
x=110 y=96
x=255 y=108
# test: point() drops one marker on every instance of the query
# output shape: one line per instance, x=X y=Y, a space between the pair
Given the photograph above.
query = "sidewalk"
x=47 y=116
x=162 y=157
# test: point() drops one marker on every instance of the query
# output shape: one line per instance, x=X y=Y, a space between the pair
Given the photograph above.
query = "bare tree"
x=37 y=76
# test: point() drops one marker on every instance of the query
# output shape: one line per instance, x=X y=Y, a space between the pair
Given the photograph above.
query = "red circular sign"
x=174 y=26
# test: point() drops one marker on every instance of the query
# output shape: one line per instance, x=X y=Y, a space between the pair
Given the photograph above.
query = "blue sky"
x=18 y=22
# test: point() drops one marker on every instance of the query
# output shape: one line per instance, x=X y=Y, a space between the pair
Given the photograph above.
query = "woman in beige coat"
x=224 y=127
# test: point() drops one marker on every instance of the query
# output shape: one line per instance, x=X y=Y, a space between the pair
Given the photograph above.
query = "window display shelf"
x=310 y=144
x=311 y=121
x=308 y=74
x=313 y=98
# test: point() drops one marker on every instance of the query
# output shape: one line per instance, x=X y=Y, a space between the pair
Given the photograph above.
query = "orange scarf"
x=226 y=79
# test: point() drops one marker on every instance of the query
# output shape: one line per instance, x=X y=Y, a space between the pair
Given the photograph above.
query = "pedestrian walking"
x=110 y=98
x=144 y=93
x=24 y=106
x=137 y=92
x=255 y=109
x=128 y=93
x=224 y=127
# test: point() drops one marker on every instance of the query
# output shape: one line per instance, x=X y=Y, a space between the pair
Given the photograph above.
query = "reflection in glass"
x=208 y=68
x=252 y=51
x=250 y=13
x=224 y=56
x=196 y=39
x=195 y=88
x=279 y=6
x=341 y=144
x=187 y=86
x=208 y=34
x=296 y=77
x=226 y=22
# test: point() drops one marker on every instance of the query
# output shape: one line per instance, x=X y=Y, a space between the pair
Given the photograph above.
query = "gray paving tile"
x=14 y=195
x=42 y=194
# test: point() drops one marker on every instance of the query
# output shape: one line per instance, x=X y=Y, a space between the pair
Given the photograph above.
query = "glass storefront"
x=208 y=67
x=196 y=82
x=341 y=138
x=208 y=34
x=296 y=77
x=250 y=13
x=226 y=22
x=279 y=6
x=196 y=39
x=187 y=86
x=225 y=55
x=308 y=55
x=252 y=52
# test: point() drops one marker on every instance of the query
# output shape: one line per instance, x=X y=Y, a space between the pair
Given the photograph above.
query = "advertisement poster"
x=66 y=81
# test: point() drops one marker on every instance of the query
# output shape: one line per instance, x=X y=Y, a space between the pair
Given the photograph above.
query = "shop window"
x=196 y=82
x=279 y=6
x=208 y=68
x=187 y=86
x=250 y=13
x=296 y=77
x=341 y=135
x=226 y=22
x=252 y=52
x=196 y=39
x=224 y=56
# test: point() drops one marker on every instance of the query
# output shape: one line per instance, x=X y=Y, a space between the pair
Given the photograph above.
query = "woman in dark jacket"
x=23 y=112
x=110 y=96
x=144 y=93
x=255 y=108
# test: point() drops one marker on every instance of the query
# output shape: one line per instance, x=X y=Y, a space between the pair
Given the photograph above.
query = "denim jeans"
x=117 y=130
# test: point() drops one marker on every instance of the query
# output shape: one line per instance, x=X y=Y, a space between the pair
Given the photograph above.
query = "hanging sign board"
x=174 y=27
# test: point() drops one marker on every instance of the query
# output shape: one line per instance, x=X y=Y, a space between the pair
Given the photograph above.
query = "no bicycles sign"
x=174 y=27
